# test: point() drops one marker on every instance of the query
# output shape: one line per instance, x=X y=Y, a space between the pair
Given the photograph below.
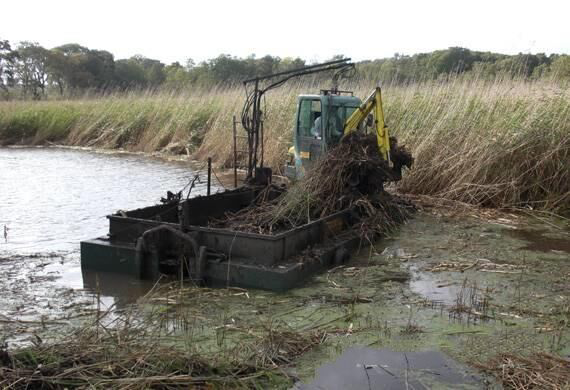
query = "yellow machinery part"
x=373 y=102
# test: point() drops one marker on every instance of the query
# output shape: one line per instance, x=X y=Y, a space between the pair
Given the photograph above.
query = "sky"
x=315 y=30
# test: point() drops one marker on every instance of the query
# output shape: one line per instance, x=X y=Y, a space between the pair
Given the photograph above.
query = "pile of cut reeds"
x=133 y=355
x=350 y=176
x=539 y=371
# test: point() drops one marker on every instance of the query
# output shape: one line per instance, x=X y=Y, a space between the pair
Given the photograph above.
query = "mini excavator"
x=322 y=121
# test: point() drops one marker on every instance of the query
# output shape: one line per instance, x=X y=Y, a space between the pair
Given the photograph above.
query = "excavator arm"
x=372 y=104
x=396 y=156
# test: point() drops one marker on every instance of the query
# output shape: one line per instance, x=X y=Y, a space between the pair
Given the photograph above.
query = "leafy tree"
x=453 y=60
x=267 y=65
x=71 y=49
x=31 y=69
x=226 y=68
x=7 y=62
x=129 y=73
x=485 y=70
x=176 y=75
x=153 y=70
x=57 y=66
x=101 y=65
x=289 y=63
x=66 y=64
x=73 y=66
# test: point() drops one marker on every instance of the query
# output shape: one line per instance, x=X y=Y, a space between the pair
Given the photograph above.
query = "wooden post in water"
x=235 y=153
x=209 y=175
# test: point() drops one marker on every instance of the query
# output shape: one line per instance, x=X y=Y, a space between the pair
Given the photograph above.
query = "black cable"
x=218 y=179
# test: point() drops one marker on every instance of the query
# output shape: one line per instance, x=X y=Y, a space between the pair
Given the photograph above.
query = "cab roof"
x=335 y=98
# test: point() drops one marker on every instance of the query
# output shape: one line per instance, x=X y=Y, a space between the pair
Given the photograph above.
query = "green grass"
x=501 y=143
x=139 y=121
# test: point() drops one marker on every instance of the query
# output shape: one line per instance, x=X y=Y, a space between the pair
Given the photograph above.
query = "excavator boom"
x=373 y=103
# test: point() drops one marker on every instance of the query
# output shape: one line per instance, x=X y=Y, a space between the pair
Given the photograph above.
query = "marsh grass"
x=501 y=143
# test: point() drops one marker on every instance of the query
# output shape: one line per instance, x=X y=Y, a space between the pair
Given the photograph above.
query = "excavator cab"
x=319 y=125
x=323 y=120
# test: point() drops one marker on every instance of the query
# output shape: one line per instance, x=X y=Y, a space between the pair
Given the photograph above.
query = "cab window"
x=309 y=111
x=336 y=120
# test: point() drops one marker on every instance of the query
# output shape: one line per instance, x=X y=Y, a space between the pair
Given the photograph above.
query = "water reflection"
x=368 y=368
x=125 y=289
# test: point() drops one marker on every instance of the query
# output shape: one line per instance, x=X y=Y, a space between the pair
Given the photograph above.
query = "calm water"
x=50 y=199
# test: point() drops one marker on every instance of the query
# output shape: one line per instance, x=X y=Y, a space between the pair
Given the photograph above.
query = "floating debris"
x=539 y=371
x=481 y=264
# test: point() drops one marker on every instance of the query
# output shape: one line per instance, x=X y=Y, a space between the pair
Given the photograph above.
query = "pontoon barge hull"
x=175 y=239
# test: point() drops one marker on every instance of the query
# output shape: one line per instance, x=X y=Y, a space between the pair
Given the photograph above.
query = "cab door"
x=309 y=133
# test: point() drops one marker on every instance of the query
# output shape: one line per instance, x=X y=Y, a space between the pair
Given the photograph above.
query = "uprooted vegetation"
x=351 y=176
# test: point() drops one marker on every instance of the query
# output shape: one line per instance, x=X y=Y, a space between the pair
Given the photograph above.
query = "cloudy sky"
x=174 y=30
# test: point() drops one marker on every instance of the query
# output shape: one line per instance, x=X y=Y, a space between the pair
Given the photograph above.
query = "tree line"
x=31 y=71
x=458 y=60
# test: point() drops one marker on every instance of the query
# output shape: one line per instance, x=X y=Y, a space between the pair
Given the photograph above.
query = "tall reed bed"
x=499 y=143
x=495 y=143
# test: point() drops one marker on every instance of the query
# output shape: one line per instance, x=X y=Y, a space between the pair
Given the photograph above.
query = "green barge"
x=174 y=239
